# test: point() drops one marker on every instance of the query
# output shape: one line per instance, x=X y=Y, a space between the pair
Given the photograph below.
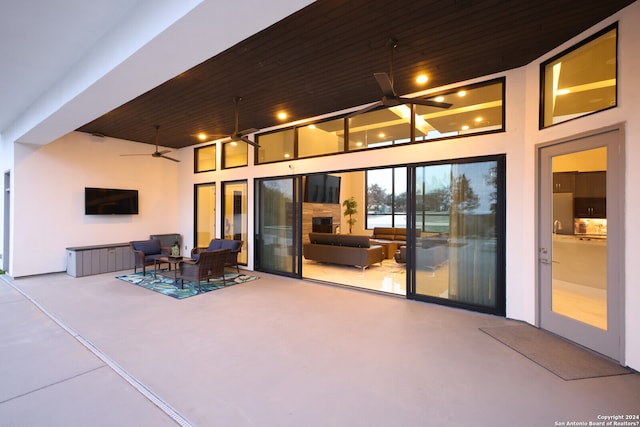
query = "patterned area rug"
x=167 y=286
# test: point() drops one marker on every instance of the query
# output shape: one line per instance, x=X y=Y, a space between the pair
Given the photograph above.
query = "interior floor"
x=583 y=303
x=388 y=276
x=99 y=351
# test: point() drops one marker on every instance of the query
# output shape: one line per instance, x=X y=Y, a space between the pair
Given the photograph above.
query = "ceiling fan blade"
x=426 y=102
x=160 y=153
x=365 y=109
x=385 y=84
x=170 y=158
x=248 y=141
x=248 y=131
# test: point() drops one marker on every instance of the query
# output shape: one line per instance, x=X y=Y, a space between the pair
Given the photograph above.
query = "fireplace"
x=322 y=224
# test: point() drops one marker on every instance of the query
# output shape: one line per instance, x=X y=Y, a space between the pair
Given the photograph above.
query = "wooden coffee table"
x=172 y=262
x=388 y=247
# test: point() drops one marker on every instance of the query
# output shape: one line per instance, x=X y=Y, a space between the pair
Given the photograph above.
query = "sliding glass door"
x=458 y=221
x=277 y=228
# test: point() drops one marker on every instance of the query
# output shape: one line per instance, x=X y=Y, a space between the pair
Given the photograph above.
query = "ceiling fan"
x=156 y=153
x=389 y=96
x=240 y=135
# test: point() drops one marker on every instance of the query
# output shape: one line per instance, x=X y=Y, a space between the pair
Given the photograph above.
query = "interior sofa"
x=344 y=249
x=430 y=253
x=393 y=234
x=390 y=238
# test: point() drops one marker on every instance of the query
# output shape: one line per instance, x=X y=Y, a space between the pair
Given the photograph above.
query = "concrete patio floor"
x=272 y=352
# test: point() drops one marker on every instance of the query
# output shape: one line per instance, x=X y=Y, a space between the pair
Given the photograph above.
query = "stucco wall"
x=49 y=198
x=49 y=183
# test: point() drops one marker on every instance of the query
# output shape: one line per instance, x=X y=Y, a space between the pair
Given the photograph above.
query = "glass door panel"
x=581 y=250
x=579 y=238
x=458 y=218
x=205 y=214
x=235 y=220
x=278 y=226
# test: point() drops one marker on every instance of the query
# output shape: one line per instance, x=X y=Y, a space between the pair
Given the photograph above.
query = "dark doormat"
x=564 y=359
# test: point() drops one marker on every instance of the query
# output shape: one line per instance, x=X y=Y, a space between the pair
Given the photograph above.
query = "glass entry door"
x=278 y=230
x=580 y=232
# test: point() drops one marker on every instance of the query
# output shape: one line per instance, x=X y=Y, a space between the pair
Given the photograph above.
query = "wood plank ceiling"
x=322 y=59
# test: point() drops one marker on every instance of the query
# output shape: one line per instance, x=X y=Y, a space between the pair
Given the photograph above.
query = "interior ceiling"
x=322 y=58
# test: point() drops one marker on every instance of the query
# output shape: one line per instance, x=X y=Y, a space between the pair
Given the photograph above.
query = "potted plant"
x=350 y=206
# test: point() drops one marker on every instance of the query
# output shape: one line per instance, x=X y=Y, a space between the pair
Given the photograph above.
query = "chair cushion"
x=216 y=244
x=149 y=247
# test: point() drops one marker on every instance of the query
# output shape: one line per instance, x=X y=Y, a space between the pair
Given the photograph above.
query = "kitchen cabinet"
x=590 y=207
x=591 y=184
x=564 y=182
x=591 y=195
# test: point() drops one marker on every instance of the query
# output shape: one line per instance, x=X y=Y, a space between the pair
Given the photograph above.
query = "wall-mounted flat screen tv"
x=322 y=188
x=110 y=201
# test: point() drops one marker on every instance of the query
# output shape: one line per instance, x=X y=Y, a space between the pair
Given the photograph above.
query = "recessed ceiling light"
x=202 y=136
x=478 y=119
x=439 y=98
x=462 y=93
x=312 y=126
x=287 y=155
x=422 y=79
x=381 y=135
x=234 y=143
x=282 y=115
x=359 y=144
x=465 y=127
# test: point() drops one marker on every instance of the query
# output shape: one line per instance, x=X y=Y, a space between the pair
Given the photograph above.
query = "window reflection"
x=205 y=158
x=474 y=109
x=580 y=81
x=234 y=154
x=456 y=222
x=321 y=138
x=276 y=146
x=205 y=212
x=379 y=128
x=235 y=215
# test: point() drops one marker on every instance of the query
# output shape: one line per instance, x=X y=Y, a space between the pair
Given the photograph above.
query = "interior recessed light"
x=381 y=135
x=422 y=79
x=287 y=155
x=478 y=119
x=440 y=99
x=282 y=115
x=234 y=143
x=462 y=93
x=202 y=136
x=359 y=144
x=465 y=127
x=312 y=126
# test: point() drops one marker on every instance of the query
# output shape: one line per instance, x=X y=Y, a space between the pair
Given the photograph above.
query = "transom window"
x=581 y=80
x=205 y=158
x=473 y=109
